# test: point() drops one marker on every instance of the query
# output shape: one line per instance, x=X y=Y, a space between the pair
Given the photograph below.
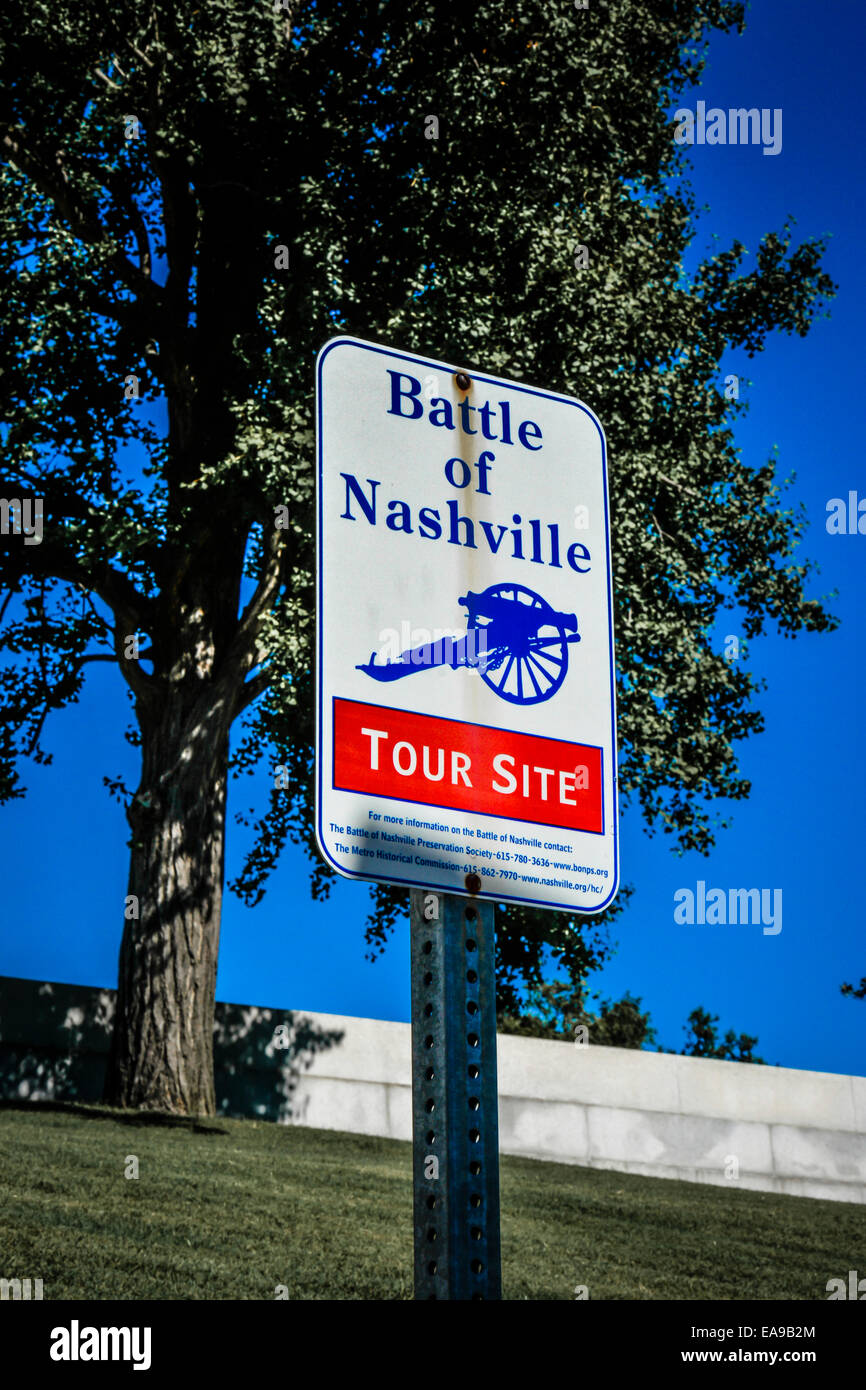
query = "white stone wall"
x=799 y=1132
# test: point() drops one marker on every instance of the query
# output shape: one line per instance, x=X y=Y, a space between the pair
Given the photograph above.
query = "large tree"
x=195 y=197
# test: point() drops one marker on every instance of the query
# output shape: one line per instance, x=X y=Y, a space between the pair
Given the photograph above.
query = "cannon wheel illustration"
x=516 y=642
x=531 y=669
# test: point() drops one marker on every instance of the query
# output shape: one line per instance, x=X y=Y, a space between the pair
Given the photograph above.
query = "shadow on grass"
x=154 y=1119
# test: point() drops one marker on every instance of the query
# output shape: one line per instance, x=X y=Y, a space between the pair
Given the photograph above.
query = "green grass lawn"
x=232 y=1208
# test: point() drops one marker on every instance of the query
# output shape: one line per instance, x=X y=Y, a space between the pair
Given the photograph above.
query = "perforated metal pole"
x=454 y=1098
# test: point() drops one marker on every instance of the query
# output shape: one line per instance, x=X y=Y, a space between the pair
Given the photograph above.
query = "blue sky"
x=63 y=857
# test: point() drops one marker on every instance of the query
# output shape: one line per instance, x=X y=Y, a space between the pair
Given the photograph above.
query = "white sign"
x=466 y=734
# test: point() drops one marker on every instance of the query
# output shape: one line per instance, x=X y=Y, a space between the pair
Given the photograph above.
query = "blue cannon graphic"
x=516 y=642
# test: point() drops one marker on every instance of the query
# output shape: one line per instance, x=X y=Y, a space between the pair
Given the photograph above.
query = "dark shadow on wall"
x=55 y=1038
x=259 y=1056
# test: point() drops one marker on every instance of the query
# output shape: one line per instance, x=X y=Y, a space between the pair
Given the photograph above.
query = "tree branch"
x=250 y=691
x=678 y=487
x=241 y=651
x=119 y=188
x=84 y=223
x=143 y=56
x=107 y=80
x=132 y=610
x=143 y=686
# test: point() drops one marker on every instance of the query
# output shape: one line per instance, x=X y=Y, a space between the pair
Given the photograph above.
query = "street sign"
x=466 y=736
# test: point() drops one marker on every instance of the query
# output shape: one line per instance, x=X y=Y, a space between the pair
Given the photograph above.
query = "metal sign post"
x=455 y=1121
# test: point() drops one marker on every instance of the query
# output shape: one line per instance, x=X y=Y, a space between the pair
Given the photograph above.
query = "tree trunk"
x=162 y=1048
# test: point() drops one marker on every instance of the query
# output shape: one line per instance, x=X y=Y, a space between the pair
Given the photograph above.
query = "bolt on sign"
x=466 y=694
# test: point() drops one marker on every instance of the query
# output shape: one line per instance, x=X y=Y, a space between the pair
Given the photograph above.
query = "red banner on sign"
x=467 y=767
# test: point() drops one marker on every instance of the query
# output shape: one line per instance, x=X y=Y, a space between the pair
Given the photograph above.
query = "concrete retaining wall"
x=780 y=1130
x=777 y=1129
